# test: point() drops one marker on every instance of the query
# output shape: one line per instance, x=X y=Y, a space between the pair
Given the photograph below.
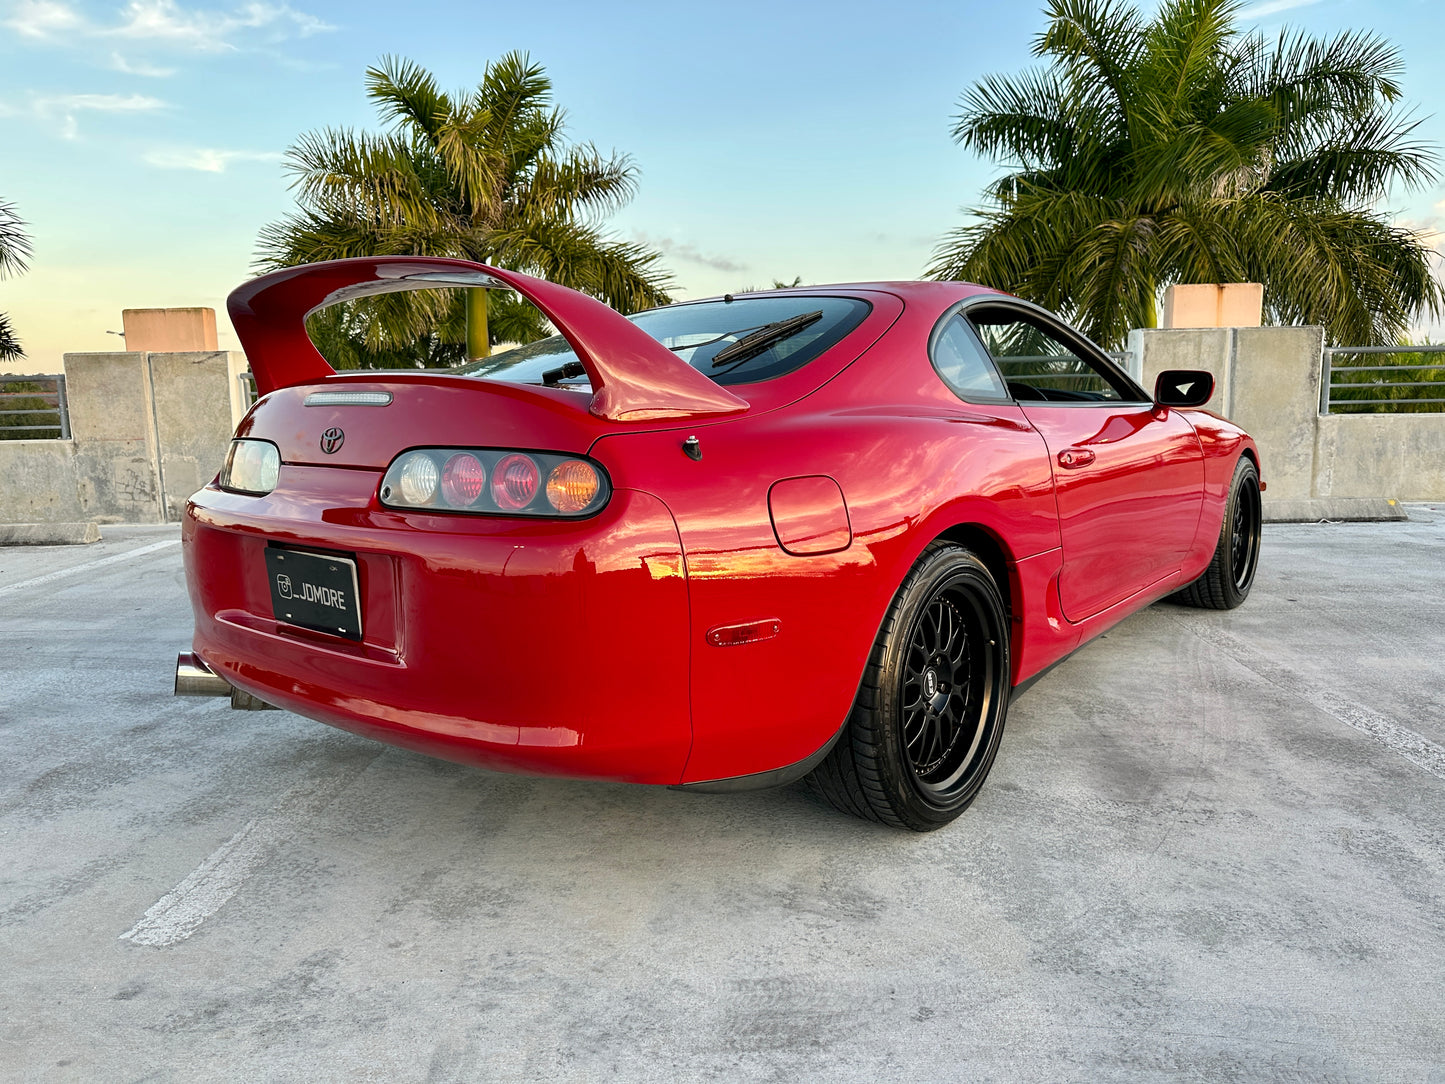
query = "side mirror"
x=1183 y=387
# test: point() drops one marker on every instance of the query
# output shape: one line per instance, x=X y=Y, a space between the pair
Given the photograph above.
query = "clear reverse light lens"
x=418 y=478
x=252 y=467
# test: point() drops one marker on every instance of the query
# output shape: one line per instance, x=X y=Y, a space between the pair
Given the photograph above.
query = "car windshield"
x=790 y=332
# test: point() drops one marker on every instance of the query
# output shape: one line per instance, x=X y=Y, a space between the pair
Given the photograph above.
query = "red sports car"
x=717 y=545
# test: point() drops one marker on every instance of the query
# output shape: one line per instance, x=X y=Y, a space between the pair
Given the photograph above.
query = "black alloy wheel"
x=1226 y=582
x=926 y=725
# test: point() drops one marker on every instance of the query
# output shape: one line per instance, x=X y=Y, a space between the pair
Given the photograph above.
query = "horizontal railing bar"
x=29 y=395
x=1381 y=402
x=1429 y=348
x=14 y=413
x=1393 y=384
x=1382 y=368
x=30 y=429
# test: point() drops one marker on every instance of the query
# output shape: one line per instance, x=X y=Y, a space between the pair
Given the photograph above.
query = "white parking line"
x=1401 y=740
x=207 y=888
x=114 y=557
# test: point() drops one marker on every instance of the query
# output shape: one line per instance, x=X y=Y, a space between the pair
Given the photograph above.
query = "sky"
x=142 y=141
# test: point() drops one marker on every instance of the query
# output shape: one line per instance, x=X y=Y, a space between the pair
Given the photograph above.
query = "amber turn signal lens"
x=572 y=486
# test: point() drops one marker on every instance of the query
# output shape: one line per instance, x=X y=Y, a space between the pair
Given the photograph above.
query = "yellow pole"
x=478 y=345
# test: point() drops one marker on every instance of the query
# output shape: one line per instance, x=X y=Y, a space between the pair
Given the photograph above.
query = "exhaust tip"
x=195 y=678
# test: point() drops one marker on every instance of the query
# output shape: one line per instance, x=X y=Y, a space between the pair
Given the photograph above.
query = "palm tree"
x=482 y=175
x=1180 y=150
x=14 y=259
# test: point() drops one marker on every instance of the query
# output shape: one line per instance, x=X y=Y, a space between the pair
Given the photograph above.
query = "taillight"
x=514 y=481
x=417 y=479
x=463 y=479
x=252 y=467
x=488 y=480
x=572 y=486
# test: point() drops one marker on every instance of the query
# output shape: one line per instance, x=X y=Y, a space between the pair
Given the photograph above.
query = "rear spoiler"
x=633 y=376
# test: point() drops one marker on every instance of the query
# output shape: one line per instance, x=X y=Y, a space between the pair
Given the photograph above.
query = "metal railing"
x=1364 y=391
x=34 y=408
x=248 y=387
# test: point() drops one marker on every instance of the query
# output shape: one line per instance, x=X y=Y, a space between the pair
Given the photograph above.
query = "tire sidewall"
x=1244 y=471
x=949 y=567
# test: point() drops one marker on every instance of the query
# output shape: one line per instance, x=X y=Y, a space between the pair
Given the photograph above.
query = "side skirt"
x=1028 y=683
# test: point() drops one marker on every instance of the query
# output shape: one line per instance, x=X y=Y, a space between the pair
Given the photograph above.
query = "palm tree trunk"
x=478 y=344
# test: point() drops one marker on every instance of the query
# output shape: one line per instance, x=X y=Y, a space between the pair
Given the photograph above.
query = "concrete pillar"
x=1213 y=304
x=111 y=422
x=1276 y=397
x=1267 y=379
x=1202 y=348
x=166 y=331
x=193 y=403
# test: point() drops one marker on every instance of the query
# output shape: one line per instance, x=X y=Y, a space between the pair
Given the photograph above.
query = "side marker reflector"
x=751 y=633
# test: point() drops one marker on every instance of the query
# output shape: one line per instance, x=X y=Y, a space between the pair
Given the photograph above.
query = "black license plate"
x=315 y=590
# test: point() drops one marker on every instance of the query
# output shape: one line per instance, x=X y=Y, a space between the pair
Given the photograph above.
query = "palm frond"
x=1179 y=150
x=10 y=349
x=408 y=96
x=14 y=241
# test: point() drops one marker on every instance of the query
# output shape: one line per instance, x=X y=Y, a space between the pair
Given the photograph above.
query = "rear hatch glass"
x=786 y=333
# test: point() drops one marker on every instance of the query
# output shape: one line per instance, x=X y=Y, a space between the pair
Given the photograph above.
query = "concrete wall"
x=147 y=430
x=191 y=395
x=37 y=482
x=1268 y=380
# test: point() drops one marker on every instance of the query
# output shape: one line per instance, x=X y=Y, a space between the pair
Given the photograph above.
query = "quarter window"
x=1040 y=365
x=964 y=365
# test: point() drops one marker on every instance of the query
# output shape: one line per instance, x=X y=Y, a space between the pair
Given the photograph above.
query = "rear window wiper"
x=765 y=337
x=552 y=377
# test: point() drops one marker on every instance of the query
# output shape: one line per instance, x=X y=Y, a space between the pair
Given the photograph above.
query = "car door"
x=1128 y=476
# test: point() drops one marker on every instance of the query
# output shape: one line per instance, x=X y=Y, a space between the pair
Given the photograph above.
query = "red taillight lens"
x=514 y=481
x=463 y=479
x=572 y=485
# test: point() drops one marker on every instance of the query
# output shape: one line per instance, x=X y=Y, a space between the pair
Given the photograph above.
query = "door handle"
x=1073 y=458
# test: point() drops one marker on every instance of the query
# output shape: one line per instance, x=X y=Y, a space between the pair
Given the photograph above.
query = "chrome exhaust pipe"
x=195 y=678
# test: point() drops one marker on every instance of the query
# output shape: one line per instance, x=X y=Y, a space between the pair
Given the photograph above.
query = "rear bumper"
x=550 y=647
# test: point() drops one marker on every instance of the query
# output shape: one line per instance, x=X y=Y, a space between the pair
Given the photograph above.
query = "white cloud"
x=65 y=107
x=100 y=103
x=689 y=253
x=205 y=159
x=1273 y=7
x=165 y=23
x=42 y=18
x=139 y=67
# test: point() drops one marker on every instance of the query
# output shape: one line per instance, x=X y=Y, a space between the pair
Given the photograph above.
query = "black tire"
x=925 y=728
x=1227 y=580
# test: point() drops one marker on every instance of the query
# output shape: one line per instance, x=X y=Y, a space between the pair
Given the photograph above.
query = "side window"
x=1040 y=366
x=961 y=361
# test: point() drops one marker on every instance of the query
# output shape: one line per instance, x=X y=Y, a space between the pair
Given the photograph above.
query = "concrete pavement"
x=1213 y=848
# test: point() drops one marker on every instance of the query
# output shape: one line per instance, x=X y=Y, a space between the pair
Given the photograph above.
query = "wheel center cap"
x=930 y=684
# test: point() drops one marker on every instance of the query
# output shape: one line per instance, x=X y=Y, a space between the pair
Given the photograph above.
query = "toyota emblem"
x=332 y=439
